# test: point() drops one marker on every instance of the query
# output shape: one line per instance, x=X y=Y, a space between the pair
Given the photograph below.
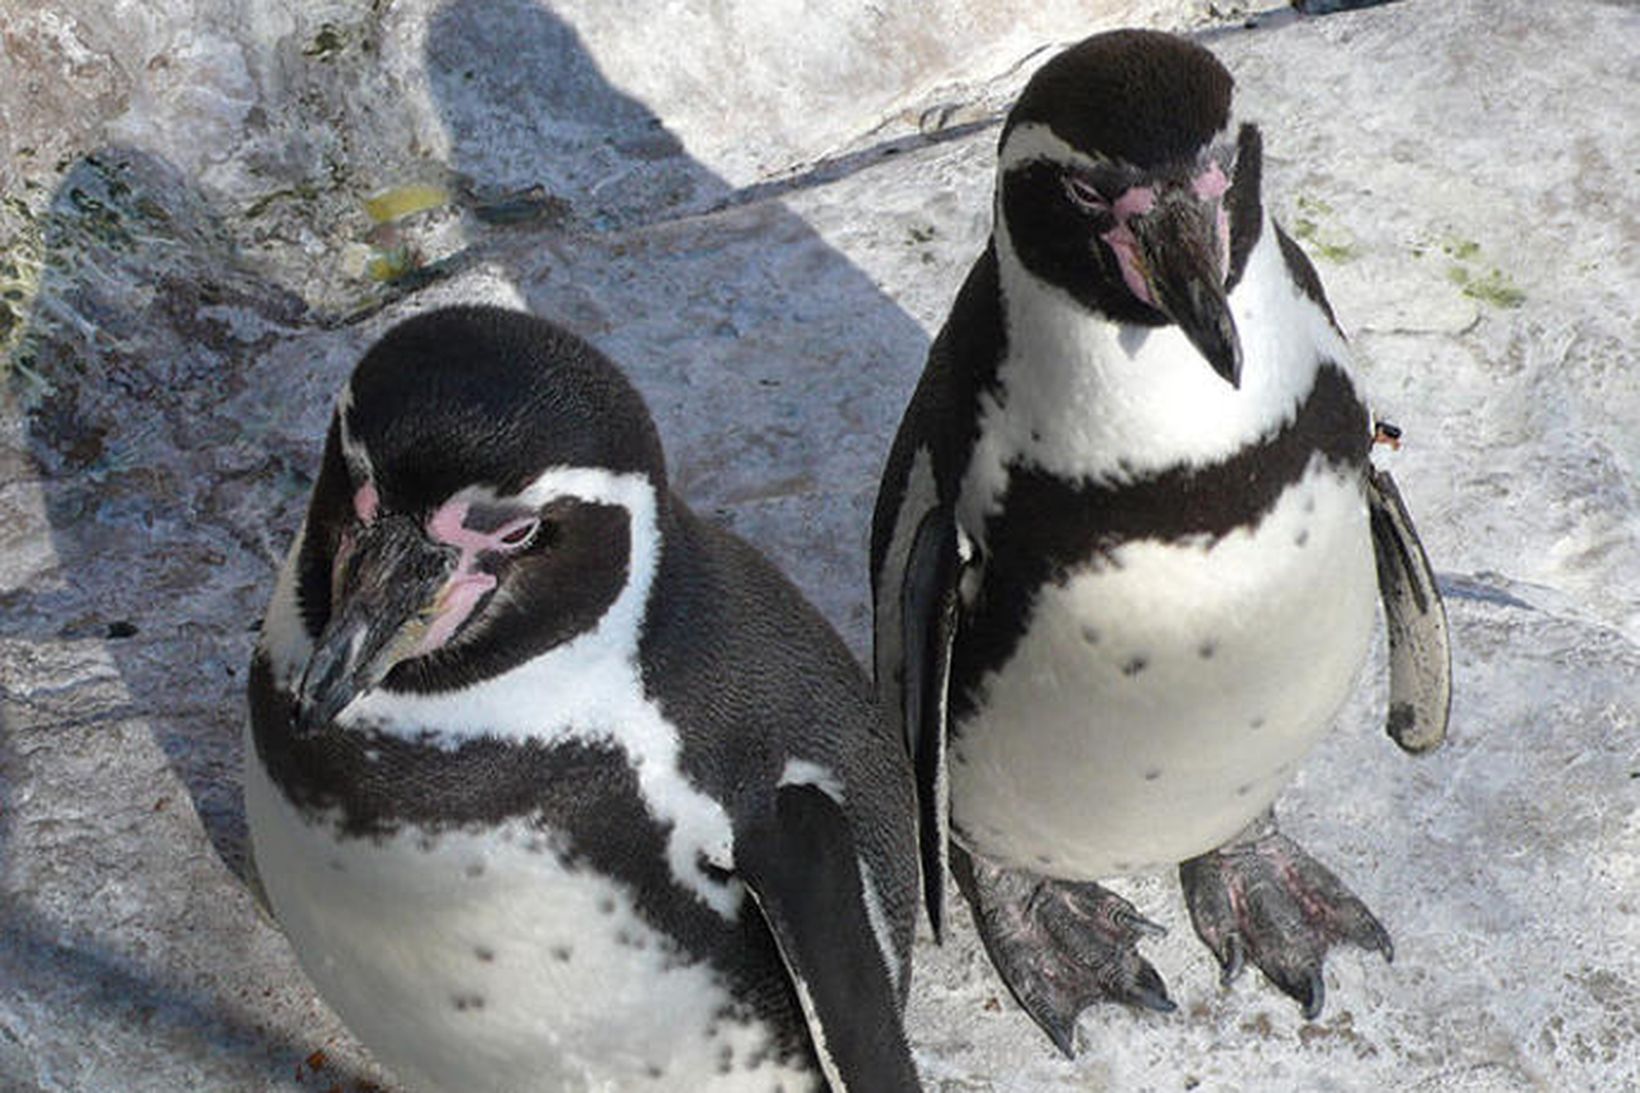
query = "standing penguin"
x=552 y=785
x=1123 y=553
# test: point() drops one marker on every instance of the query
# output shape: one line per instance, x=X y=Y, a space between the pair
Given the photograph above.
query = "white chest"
x=1157 y=703
x=1158 y=700
x=485 y=963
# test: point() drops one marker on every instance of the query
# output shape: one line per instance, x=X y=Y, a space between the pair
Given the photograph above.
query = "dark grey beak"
x=384 y=596
x=1184 y=267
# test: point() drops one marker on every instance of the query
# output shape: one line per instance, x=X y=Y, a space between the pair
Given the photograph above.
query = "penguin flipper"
x=803 y=871
x=1420 y=651
x=928 y=625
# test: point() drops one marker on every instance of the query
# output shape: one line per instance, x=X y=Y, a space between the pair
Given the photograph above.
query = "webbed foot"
x=1060 y=945
x=1262 y=899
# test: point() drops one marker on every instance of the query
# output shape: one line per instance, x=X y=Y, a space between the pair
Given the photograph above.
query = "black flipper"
x=1420 y=653
x=928 y=624
x=800 y=865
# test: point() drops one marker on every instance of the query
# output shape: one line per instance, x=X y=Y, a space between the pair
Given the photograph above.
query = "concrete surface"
x=762 y=212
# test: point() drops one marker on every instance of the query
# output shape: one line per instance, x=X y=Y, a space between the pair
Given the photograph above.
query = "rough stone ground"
x=763 y=215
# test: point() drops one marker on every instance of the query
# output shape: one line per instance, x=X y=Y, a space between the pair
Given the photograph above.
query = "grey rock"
x=763 y=217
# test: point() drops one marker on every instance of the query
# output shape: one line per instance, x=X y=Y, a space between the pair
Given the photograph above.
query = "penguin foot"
x=1060 y=945
x=1263 y=899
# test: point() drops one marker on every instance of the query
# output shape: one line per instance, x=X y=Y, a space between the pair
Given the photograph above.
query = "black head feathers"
x=485 y=396
x=1139 y=96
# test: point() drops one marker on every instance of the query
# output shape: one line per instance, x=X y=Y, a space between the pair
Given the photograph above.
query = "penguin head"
x=1119 y=183
x=491 y=488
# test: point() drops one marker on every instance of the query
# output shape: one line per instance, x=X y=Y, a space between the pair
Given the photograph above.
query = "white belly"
x=483 y=963
x=1158 y=703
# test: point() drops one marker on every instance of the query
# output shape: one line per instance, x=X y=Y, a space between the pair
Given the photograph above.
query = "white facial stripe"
x=353 y=452
x=1032 y=141
x=633 y=492
x=1035 y=141
x=284 y=640
x=590 y=689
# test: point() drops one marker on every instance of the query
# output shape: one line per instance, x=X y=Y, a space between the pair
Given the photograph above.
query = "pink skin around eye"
x=1135 y=202
x=466 y=585
x=366 y=501
x=1210 y=185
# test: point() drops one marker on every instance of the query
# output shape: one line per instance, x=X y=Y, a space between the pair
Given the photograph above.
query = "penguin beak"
x=386 y=594
x=1183 y=248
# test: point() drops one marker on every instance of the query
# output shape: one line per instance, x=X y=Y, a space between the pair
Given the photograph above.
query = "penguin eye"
x=519 y=535
x=1084 y=195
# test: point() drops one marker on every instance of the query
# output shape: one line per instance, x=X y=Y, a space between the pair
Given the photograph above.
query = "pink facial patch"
x=1211 y=183
x=1121 y=240
x=455 y=602
x=366 y=501
x=1135 y=202
x=466 y=586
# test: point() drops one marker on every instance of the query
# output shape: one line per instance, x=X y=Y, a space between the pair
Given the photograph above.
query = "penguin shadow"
x=174 y=402
x=775 y=367
x=133 y=385
x=137 y=374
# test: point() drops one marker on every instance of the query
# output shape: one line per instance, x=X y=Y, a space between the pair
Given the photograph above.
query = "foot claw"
x=1264 y=901
x=1151 y=993
x=1139 y=924
x=1312 y=996
x=1061 y=945
x=1236 y=963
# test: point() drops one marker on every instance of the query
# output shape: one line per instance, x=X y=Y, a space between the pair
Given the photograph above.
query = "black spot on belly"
x=1047 y=528
x=475 y=870
x=484 y=954
x=1207 y=648
x=467 y=1002
x=1152 y=774
x=1244 y=789
x=606 y=906
x=562 y=953
x=1044 y=859
x=726 y=1060
x=655 y=1070
x=1302 y=537
x=336 y=866
x=1090 y=634
x=1256 y=723
x=1135 y=665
